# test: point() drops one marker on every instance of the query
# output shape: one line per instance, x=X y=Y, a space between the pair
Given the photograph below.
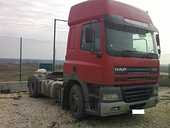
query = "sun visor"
x=119 y=20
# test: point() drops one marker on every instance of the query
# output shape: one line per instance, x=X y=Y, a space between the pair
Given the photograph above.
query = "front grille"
x=133 y=94
x=135 y=70
x=141 y=78
x=136 y=78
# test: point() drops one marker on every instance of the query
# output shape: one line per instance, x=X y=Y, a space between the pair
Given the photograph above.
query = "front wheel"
x=76 y=102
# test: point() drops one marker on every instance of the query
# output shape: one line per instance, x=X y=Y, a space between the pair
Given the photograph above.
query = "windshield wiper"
x=128 y=52
x=152 y=55
x=136 y=53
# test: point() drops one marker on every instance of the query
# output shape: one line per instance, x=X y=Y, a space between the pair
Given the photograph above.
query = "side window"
x=90 y=37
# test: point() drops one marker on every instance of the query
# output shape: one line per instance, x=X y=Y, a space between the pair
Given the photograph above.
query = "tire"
x=76 y=102
x=29 y=85
x=130 y=113
x=33 y=87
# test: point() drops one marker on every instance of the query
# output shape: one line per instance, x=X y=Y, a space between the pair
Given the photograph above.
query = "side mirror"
x=90 y=35
x=159 y=51
x=158 y=44
x=157 y=39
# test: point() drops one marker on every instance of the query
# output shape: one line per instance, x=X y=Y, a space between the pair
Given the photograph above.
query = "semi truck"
x=111 y=65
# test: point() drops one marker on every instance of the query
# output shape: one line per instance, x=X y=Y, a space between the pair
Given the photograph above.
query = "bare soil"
x=20 y=111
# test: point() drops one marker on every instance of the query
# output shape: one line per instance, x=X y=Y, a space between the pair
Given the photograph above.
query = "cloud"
x=30 y=18
x=34 y=18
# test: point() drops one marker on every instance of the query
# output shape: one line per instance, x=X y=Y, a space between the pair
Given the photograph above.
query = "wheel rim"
x=74 y=103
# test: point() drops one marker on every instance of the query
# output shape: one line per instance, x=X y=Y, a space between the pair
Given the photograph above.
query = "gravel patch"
x=20 y=111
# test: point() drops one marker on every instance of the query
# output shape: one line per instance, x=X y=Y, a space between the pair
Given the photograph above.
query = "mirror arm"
x=99 y=54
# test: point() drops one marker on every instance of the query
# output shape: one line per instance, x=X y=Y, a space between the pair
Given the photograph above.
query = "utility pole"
x=54 y=41
x=54 y=48
x=20 y=64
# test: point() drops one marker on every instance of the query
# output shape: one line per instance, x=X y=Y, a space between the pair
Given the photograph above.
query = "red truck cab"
x=113 y=56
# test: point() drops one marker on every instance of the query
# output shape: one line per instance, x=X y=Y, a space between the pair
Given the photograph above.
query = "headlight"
x=110 y=97
x=111 y=94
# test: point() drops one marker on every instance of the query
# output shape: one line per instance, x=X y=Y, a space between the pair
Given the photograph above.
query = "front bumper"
x=117 y=108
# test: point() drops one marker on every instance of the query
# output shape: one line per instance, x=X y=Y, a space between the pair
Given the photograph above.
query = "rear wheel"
x=33 y=86
x=76 y=102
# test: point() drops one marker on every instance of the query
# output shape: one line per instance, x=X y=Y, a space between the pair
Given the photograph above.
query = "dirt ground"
x=21 y=111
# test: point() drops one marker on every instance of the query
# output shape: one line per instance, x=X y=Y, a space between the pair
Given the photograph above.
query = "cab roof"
x=93 y=9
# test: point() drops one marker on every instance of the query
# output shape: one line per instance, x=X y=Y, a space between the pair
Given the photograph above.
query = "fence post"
x=20 y=62
x=54 y=45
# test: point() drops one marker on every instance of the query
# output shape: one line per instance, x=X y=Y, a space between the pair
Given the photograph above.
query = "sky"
x=33 y=19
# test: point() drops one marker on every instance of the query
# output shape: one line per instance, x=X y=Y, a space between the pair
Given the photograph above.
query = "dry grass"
x=10 y=72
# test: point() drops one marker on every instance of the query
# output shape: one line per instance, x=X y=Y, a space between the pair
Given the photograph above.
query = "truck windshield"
x=129 y=41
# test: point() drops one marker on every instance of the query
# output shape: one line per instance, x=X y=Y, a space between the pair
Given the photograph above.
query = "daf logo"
x=120 y=69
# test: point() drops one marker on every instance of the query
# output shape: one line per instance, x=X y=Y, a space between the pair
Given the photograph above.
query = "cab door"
x=89 y=56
